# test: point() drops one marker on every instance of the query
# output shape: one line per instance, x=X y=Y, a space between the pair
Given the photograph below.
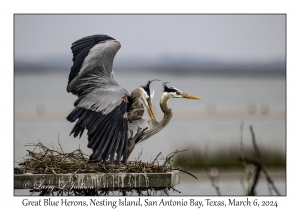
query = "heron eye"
x=177 y=93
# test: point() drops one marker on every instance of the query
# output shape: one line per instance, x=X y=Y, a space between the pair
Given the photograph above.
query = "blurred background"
x=236 y=63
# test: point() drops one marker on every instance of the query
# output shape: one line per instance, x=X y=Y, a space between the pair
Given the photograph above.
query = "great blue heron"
x=112 y=117
x=152 y=126
x=106 y=110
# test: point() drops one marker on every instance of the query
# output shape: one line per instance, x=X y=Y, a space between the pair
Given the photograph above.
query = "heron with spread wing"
x=106 y=110
x=113 y=117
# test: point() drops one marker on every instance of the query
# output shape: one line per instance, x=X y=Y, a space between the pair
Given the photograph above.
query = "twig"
x=175 y=190
x=166 y=192
x=53 y=171
x=172 y=154
x=209 y=174
x=243 y=156
x=251 y=189
x=140 y=154
x=263 y=167
x=269 y=188
x=60 y=145
x=156 y=158
x=254 y=143
x=187 y=173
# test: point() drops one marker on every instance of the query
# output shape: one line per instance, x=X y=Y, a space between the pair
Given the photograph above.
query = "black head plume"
x=168 y=89
x=165 y=86
x=147 y=86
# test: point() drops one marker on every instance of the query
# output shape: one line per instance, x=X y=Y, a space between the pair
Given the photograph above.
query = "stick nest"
x=43 y=160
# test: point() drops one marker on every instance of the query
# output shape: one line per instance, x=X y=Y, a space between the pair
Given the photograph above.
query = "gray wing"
x=135 y=128
x=101 y=105
x=92 y=64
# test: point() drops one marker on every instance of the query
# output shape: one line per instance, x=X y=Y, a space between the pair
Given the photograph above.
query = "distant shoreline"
x=167 y=71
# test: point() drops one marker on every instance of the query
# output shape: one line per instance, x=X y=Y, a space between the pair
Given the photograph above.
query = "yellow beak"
x=151 y=113
x=188 y=96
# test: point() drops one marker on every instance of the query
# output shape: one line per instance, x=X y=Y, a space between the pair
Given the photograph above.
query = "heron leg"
x=93 y=159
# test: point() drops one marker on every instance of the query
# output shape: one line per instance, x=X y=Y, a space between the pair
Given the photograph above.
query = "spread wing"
x=136 y=129
x=101 y=105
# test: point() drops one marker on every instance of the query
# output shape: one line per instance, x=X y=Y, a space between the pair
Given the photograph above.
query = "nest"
x=44 y=160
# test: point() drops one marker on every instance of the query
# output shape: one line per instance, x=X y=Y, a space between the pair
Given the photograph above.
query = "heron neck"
x=158 y=126
x=165 y=109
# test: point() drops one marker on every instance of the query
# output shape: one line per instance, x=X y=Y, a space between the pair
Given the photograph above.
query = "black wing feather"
x=107 y=134
x=119 y=151
x=125 y=147
x=94 y=136
x=95 y=139
x=106 y=140
x=75 y=114
x=113 y=151
x=112 y=145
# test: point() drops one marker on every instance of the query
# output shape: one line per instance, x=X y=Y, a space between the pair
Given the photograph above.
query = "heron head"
x=146 y=96
x=173 y=92
x=147 y=89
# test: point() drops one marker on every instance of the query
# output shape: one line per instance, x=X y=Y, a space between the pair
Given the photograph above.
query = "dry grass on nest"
x=43 y=160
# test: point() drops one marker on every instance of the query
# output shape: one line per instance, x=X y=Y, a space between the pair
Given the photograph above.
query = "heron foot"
x=93 y=159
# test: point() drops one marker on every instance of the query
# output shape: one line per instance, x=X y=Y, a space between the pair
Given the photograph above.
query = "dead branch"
x=263 y=167
x=60 y=145
x=156 y=158
x=257 y=152
x=212 y=177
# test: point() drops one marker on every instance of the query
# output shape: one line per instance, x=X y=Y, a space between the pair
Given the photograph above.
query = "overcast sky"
x=224 y=37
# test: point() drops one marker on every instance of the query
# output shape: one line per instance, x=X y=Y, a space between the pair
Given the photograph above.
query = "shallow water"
x=42 y=104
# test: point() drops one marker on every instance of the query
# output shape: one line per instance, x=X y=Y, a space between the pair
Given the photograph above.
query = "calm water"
x=42 y=104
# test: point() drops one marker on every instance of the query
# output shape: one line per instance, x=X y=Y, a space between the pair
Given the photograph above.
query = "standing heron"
x=152 y=126
x=106 y=110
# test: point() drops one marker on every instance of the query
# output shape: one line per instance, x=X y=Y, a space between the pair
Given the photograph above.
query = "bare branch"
x=263 y=167
x=156 y=158
x=212 y=177
x=258 y=167
x=254 y=144
x=60 y=145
